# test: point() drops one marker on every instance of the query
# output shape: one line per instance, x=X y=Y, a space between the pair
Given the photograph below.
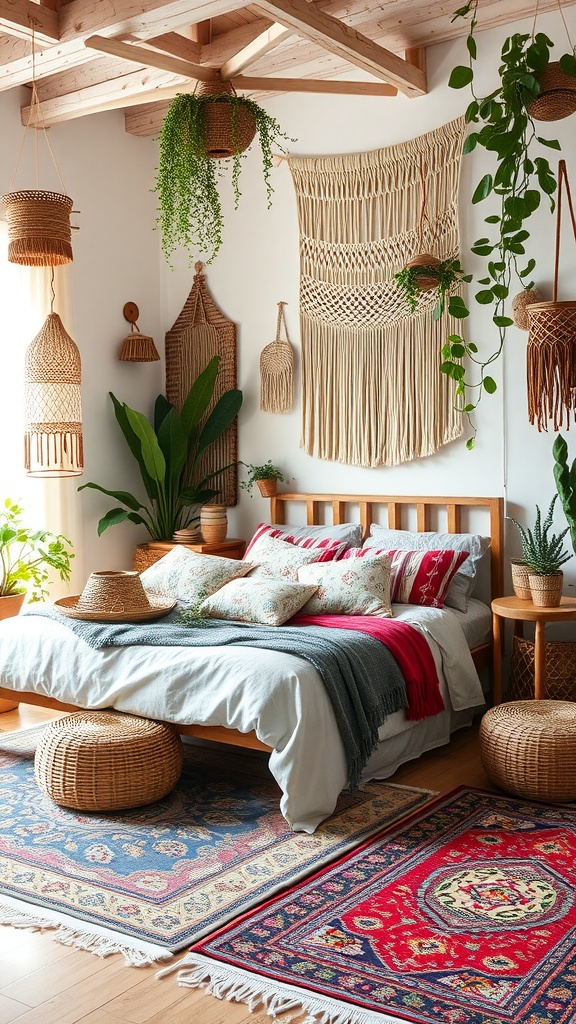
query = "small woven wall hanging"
x=136 y=347
x=551 y=352
x=53 y=403
x=277 y=370
x=200 y=333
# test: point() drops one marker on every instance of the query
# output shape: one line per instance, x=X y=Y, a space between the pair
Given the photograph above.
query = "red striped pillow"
x=330 y=549
x=417 y=577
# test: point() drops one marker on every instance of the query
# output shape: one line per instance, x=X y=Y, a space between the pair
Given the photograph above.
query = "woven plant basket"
x=551 y=351
x=138 y=348
x=520 y=305
x=213 y=523
x=39 y=232
x=229 y=128
x=546 y=590
x=557 y=97
x=560 y=669
x=107 y=761
x=528 y=748
x=520 y=581
x=425 y=281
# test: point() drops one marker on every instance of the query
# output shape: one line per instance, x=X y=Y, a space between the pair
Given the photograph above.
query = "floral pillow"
x=266 y=601
x=332 y=545
x=417 y=577
x=349 y=587
x=188 y=576
x=278 y=559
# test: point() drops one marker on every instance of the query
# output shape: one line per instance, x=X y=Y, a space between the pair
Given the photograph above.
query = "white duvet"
x=280 y=696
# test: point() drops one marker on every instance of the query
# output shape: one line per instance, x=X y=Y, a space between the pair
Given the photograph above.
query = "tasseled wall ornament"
x=372 y=391
x=52 y=403
x=551 y=351
x=277 y=370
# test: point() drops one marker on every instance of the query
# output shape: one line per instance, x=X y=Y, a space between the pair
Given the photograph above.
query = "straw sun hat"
x=113 y=597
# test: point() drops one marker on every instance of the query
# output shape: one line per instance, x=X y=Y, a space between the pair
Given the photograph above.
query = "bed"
x=265 y=699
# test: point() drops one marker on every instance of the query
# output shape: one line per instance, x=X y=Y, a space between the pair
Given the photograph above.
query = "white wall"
x=117 y=258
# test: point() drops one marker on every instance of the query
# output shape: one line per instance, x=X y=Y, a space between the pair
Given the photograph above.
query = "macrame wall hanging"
x=277 y=370
x=200 y=333
x=551 y=352
x=372 y=391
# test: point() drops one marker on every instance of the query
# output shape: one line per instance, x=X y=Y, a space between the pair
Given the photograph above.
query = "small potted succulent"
x=543 y=555
x=266 y=477
x=27 y=558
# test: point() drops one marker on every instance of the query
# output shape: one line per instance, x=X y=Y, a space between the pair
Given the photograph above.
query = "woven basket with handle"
x=277 y=370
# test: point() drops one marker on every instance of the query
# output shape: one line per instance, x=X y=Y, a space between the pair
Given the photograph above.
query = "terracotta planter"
x=267 y=487
x=520 y=581
x=10 y=606
x=546 y=591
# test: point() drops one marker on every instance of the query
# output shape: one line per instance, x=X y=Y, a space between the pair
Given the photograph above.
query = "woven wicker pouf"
x=107 y=761
x=528 y=748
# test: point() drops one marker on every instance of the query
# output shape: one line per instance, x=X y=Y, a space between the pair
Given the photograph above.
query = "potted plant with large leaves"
x=168 y=452
x=503 y=123
x=27 y=559
x=200 y=129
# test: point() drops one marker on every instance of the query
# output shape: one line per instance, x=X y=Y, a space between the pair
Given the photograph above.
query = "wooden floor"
x=43 y=982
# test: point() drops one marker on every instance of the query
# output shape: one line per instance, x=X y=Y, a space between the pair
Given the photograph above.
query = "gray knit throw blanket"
x=362 y=678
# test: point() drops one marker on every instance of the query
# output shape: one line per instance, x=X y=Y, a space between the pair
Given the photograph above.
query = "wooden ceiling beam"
x=152 y=58
x=177 y=45
x=267 y=40
x=342 y=40
x=317 y=85
x=228 y=44
x=18 y=17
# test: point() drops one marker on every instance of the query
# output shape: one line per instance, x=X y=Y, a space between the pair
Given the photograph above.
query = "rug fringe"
x=238 y=986
x=99 y=943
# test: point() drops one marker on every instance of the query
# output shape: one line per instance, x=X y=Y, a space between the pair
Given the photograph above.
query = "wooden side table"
x=146 y=554
x=525 y=611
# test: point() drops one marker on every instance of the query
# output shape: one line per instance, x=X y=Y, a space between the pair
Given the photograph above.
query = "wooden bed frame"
x=397 y=508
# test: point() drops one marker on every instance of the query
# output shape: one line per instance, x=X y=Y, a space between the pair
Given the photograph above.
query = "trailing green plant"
x=542 y=551
x=520 y=180
x=565 y=478
x=190 y=210
x=28 y=557
x=448 y=274
x=265 y=472
x=168 y=452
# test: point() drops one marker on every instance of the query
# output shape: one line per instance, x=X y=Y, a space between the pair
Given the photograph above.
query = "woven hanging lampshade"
x=39 y=231
x=52 y=403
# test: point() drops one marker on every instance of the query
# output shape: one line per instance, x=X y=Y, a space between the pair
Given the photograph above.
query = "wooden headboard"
x=362 y=508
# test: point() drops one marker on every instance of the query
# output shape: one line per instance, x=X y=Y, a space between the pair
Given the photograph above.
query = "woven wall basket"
x=200 y=333
x=39 y=232
x=557 y=97
x=229 y=128
x=277 y=370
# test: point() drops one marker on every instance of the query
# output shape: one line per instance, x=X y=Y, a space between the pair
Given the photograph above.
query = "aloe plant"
x=168 y=452
x=542 y=551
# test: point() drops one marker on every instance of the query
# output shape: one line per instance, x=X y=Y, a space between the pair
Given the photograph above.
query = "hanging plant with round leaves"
x=502 y=123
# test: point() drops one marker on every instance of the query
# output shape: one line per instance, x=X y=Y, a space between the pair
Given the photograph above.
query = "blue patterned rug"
x=150 y=881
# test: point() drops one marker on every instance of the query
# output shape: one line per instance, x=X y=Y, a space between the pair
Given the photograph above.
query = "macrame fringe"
x=238 y=986
x=551 y=372
x=82 y=936
x=276 y=390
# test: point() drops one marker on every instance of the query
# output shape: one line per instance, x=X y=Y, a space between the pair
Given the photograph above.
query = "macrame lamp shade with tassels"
x=39 y=230
x=52 y=403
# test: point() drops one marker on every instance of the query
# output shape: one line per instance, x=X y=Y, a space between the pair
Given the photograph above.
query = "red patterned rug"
x=464 y=915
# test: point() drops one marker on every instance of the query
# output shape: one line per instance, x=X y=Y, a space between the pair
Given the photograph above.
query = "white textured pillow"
x=272 y=558
x=188 y=576
x=462 y=585
x=354 y=586
x=266 y=601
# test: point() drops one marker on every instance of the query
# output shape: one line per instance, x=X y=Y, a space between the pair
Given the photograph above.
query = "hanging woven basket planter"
x=39 y=231
x=230 y=127
x=557 y=97
x=551 y=351
x=426 y=281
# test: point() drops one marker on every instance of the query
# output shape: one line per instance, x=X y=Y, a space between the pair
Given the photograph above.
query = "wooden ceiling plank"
x=18 y=16
x=263 y=43
x=148 y=17
x=346 y=42
x=151 y=58
x=176 y=45
x=316 y=85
